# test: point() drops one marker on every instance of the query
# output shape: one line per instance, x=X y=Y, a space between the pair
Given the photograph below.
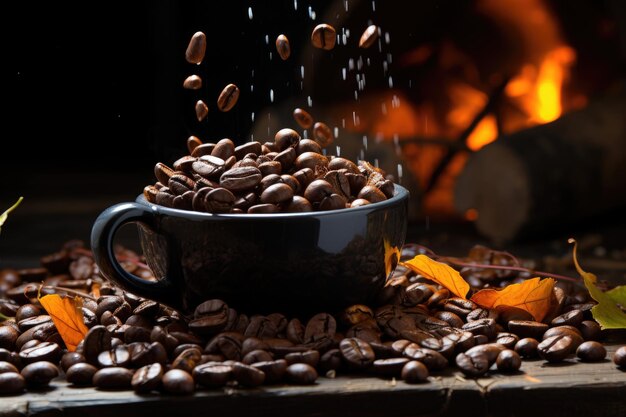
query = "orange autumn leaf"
x=67 y=317
x=392 y=256
x=532 y=295
x=440 y=273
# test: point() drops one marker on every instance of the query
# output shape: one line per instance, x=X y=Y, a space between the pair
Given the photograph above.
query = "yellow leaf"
x=606 y=312
x=392 y=256
x=532 y=295
x=67 y=317
x=440 y=273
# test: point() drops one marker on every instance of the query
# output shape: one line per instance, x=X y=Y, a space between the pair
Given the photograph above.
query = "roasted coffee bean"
x=333 y=202
x=116 y=356
x=369 y=36
x=571 y=318
x=304 y=176
x=339 y=163
x=355 y=314
x=301 y=374
x=311 y=357
x=31 y=322
x=566 y=330
x=256 y=356
x=324 y=37
x=277 y=194
x=247 y=148
x=389 y=366
x=433 y=360
x=247 y=375
x=228 y=98
x=80 y=374
x=286 y=138
x=202 y=110
x=295 y=331
x=556 y=348
x=176 y=381
x=42 y=332
x=486 y=327
x=330 y=360
x=224 y=149
x=508 y=340
x=371 y=194
x=323 y=135
x=282 y=47
x=196 y=48
x=30 y=344
x=212 y=375
x=8 y=337
x=113 y=378
x=7 y=367
x=39 y=374
x=149 y=193
x=263 y=209
x=527 y=328
x=477 y=314
x=147 y=378
x=356 y=353
x=311 y=160
x=318 y=190
x=490 y=350
x=303 y=118
x=286 y=158
x=591 y=351
x=459 y=306
x=240 y=179
x=227 y=344
x=590 y=330
x=320 y=326
x=11 y=383
x=193 y=82
x=475 y=365
x=11 y=357
x=27 y=311
x=71 y=358
x=97 y=340
x=32 y=274
x=298 y=205
x=508 y=313
x=44 y=351
x=253 y=343
x=203 y=150
x=449 y=317
x=274 y=370
x=619 y=357
x=280 y=322
x=359 y=202
x=508 y=361
x=527 y=347
x=339 y=182
x=414 y=372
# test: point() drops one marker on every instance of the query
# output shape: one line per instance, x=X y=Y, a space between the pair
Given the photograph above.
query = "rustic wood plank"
x=539 y=389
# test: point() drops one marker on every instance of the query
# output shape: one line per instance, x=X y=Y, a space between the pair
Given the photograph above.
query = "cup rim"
x=400 y=193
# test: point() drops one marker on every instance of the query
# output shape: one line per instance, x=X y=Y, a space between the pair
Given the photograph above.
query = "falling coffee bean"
x=202 y=110
x=193 y=82
x=228 y=98
x=303 y=118
x=196 y=48
x=369 y=36
x=324 y=37
x=282 y=47
x=322 y=134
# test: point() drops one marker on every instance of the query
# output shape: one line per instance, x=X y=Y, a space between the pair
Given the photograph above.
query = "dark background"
x=93 y=91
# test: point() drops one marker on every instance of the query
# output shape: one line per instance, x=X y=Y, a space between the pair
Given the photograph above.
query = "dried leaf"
x=532 y=295
x=606 y=312
x=67 y=316
x=392 y=256
x=440 y=273
x=5 y=215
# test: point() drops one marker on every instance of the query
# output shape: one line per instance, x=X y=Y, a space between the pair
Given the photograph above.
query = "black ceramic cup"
x=294 y=263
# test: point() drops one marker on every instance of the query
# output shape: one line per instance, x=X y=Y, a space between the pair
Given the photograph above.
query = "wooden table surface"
x=568 y=389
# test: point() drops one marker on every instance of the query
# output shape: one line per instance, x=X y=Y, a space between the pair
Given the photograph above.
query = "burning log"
x=549 y=175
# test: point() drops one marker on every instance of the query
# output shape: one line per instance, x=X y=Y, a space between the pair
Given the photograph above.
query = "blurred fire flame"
x=533 y=95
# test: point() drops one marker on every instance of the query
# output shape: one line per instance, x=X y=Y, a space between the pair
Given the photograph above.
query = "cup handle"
x=102 y=235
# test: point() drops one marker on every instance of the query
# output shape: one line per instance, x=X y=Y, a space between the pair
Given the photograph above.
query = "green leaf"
x=618 y=295
x=606 y=312
x=5 y=215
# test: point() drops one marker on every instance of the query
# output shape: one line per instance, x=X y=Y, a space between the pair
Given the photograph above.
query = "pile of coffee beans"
x=289 y=175
x=134 y=343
